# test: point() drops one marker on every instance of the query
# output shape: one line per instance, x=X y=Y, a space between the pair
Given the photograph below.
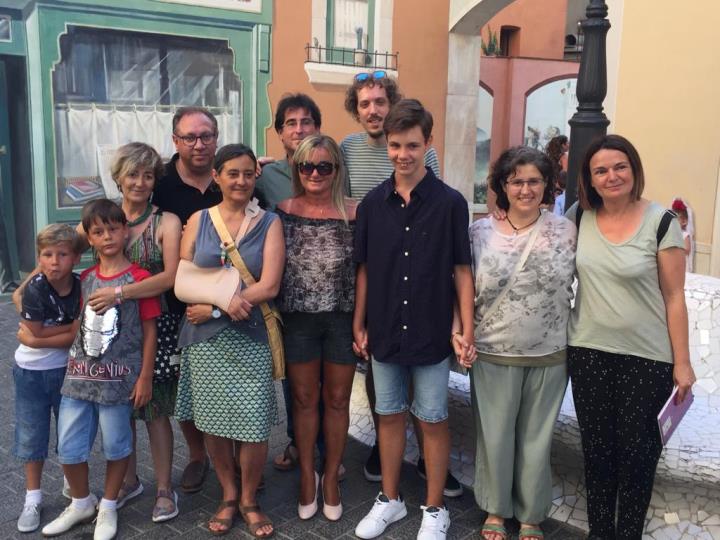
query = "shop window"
x=112 y=87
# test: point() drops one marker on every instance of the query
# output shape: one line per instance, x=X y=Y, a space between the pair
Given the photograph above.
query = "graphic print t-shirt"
x=42 y=303
x=106 y=356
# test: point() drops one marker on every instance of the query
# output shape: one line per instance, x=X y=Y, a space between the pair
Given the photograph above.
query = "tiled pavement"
x=278 y=499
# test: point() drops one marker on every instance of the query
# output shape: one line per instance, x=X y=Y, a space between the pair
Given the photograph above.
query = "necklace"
x=142 y=217
x=518 y=229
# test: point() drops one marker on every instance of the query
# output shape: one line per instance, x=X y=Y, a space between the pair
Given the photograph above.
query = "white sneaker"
x=70 y=517
x=105 y=524
x=383 y=513
x=29 y=519
x=435 y=523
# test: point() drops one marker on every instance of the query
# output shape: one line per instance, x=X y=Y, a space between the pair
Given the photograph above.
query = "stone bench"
x=693 y=452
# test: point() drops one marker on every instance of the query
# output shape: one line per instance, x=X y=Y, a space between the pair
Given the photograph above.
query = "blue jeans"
x=430 y=389
x=78 y=425
x=37 y=396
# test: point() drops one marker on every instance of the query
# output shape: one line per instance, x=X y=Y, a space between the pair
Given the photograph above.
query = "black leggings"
x=617 y=399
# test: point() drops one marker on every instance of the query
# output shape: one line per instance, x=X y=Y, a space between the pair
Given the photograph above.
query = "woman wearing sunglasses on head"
x=316 y=298
x=523 y=268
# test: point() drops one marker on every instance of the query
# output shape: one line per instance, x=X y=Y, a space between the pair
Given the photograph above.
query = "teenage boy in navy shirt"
x=413 y=255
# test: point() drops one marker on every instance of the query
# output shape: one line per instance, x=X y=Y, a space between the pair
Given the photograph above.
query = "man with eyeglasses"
x=369 y=100
x=297 y=116
x=186 y=187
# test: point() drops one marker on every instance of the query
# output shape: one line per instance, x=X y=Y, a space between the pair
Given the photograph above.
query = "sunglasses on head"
x=323 y=168
x=374 y=75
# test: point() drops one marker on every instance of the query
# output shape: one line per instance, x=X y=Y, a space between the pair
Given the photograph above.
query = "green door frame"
x=6 y=180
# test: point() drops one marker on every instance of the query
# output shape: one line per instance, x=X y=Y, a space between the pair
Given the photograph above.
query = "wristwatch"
x=216 y=313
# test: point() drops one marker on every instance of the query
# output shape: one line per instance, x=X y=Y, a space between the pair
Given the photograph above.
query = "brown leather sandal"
x=227 y=523
x=254 y=527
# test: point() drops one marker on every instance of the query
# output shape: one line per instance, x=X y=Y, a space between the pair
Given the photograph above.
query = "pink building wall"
x=510 y=81
x=541 y=26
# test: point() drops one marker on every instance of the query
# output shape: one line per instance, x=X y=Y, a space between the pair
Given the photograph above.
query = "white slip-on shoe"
x=435 y=523
x=70 y=517
x=306 y=511
x=29 y=519
x=105 y=524
x=383 y=513
x=332 y=513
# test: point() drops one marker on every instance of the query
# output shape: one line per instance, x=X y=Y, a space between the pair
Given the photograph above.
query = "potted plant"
x=491 y=48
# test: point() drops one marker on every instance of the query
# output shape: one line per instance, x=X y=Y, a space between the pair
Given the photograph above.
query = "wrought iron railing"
x=351 y=57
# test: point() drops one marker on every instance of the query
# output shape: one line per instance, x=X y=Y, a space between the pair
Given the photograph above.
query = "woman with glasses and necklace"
x=316 y=298
x=523 y=268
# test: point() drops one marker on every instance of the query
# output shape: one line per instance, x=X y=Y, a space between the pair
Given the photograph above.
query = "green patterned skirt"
x=226 y=387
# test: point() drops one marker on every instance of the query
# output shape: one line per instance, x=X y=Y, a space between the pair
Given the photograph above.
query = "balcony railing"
x=350 y=57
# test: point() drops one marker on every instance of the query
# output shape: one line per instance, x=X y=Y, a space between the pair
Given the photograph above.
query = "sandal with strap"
x=491 y=531
x=160 y=513
x=288 y=460
x=531 y=533
x=255 y=527
x=227 y=523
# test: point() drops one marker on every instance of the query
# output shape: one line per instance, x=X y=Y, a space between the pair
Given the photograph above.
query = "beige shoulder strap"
x=233 y=252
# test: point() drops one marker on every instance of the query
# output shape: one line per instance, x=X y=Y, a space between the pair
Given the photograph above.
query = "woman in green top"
x=628 y=335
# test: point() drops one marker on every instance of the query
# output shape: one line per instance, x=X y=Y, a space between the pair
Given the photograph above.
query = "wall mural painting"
x=547 y=111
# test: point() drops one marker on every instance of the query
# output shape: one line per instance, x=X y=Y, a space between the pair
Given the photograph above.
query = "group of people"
x=366 y=254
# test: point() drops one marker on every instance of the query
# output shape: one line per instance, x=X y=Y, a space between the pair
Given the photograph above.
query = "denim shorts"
x=37 y=397
x=78 y=425
x=326 y=336
x=430 y=389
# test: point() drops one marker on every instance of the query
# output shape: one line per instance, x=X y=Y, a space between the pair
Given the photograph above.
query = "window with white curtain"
x=350 y=23
x=112 y=87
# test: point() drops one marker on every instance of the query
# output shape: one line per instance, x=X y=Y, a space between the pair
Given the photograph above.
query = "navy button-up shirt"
x=410 y=251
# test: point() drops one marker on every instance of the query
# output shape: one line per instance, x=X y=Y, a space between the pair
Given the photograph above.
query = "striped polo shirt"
x=369 y=165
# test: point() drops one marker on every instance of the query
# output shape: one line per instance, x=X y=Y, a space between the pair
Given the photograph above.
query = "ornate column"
x=589 y=122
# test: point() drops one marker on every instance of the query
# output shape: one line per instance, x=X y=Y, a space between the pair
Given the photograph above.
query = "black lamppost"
x=589 y=122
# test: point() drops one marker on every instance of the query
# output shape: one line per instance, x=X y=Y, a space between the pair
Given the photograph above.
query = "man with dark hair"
x=412 y=251
x=187 y=187
x=296 y=117
x=369 y=100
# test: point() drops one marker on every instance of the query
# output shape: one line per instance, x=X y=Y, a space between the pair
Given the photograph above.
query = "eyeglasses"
x=533 y=183
x=374 y=75
x=323 y=168
x=304 y=122
x=191 y=140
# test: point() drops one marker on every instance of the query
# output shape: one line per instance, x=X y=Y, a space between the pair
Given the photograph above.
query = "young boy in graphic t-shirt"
x=50 y=310
x=109 y=372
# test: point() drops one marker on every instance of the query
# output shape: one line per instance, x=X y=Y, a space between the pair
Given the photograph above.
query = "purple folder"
x=672 y=413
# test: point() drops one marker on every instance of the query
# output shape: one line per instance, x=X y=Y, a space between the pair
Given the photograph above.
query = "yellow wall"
x=667 y=104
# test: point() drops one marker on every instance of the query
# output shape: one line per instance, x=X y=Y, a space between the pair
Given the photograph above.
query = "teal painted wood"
x=342 y=55
x=6 y=180
x=17 y=44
